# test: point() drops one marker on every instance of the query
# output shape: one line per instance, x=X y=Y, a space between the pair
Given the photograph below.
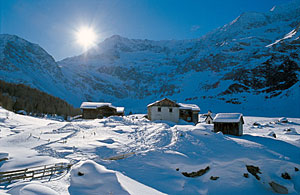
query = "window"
x=159 y=109
x=170 y=110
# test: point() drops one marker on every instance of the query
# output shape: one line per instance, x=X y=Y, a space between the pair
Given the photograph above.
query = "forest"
x=16 y=97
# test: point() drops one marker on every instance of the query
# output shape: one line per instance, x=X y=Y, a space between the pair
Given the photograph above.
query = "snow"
x=94 y=105
x=33 y=188
x=228 y=117
x=193 y=107
x=120 y=109
x=153 y=155
x=273 y=8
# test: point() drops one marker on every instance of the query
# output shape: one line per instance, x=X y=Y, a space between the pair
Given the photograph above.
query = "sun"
x=86 y=37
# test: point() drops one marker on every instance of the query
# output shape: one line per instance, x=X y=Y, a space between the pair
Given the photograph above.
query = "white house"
x=169 y=110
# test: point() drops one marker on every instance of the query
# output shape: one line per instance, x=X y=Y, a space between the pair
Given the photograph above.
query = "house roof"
x=95 y=105
x=212 y=116
x=182 y=106
x=193 y=107
x=163 y=100
x=228 y=118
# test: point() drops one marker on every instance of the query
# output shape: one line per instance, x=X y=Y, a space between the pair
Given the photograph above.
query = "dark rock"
x=256 y=124
x=253 y=170
x=278 y=188
x=80 y=173
x=177 y=169
x=214 y=178
x=285 y=175
x=246 y=175
x=296 y=169
x=196 y=174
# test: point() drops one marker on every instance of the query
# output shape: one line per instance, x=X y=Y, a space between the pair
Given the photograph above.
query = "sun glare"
x=86 y=37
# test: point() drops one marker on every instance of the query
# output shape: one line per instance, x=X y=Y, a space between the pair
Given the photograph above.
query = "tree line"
x=15 y=97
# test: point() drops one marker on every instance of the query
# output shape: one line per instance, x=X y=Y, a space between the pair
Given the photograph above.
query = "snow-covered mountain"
x=25 y=62
x=250 y=65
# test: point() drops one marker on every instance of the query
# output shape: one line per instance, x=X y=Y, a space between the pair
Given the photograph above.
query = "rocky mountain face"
x=250 y=65
x=242 y=66
x=27 y=63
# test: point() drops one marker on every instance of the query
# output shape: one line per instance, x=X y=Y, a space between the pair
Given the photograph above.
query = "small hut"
x=229 y=123
x=169 y=110
x=209 y=117
x=93 y=110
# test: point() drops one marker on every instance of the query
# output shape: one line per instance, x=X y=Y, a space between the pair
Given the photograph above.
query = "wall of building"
x=165 y=114
x=89 y=113
x=240 y=128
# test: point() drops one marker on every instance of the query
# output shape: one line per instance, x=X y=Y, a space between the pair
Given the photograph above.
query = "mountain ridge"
x=230 y=69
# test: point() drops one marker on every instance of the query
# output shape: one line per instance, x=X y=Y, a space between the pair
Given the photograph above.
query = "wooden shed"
x=229 y=123
x=189 y=112
x=93 y=110
x=169 y=110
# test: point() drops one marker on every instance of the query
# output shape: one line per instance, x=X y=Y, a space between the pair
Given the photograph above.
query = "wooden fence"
x=34 y=172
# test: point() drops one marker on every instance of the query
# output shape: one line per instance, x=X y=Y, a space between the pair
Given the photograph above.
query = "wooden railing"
x=34 y=172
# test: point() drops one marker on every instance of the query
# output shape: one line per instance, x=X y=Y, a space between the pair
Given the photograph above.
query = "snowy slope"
x=27 y=63
x=250 y=65
x=159 y=153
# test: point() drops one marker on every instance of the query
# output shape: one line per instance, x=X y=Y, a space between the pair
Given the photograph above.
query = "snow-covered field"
x=156 y=154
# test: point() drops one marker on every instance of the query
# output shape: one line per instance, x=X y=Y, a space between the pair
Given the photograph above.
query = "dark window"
x=170 y=110
x=158 y=109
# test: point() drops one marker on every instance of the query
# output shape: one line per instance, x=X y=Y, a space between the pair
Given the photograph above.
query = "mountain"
x=27 y=63
x=250 y=65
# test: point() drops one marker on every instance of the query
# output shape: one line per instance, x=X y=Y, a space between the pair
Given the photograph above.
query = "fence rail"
x=34 y=172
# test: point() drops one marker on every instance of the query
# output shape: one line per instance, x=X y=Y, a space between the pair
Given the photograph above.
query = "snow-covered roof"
x=95 y=105
x=165 y=99
x=193 y=107
x=228 y=118
x=120 y=109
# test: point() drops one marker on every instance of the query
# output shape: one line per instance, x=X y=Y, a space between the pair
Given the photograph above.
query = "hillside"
x=17 y=97
x=249 y=65
x=159 y=157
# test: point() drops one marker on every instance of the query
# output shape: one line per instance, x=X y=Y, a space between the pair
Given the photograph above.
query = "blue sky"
x=52 y=23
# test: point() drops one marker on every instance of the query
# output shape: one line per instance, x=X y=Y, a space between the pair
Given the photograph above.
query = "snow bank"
x=88 y=177
x=32 y=188
x=3 y=155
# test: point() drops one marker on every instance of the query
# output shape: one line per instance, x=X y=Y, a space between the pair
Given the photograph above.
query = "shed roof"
x=228 y=118
x=95 y=105
x=193 y=107
x=120 y=109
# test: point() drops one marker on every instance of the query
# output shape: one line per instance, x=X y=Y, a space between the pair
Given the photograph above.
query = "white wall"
x=165 y=114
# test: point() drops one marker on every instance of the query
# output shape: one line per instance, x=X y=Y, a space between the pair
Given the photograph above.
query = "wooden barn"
x=189 y=112
x=229 y=123
x=93 y=110
x=169 y=110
